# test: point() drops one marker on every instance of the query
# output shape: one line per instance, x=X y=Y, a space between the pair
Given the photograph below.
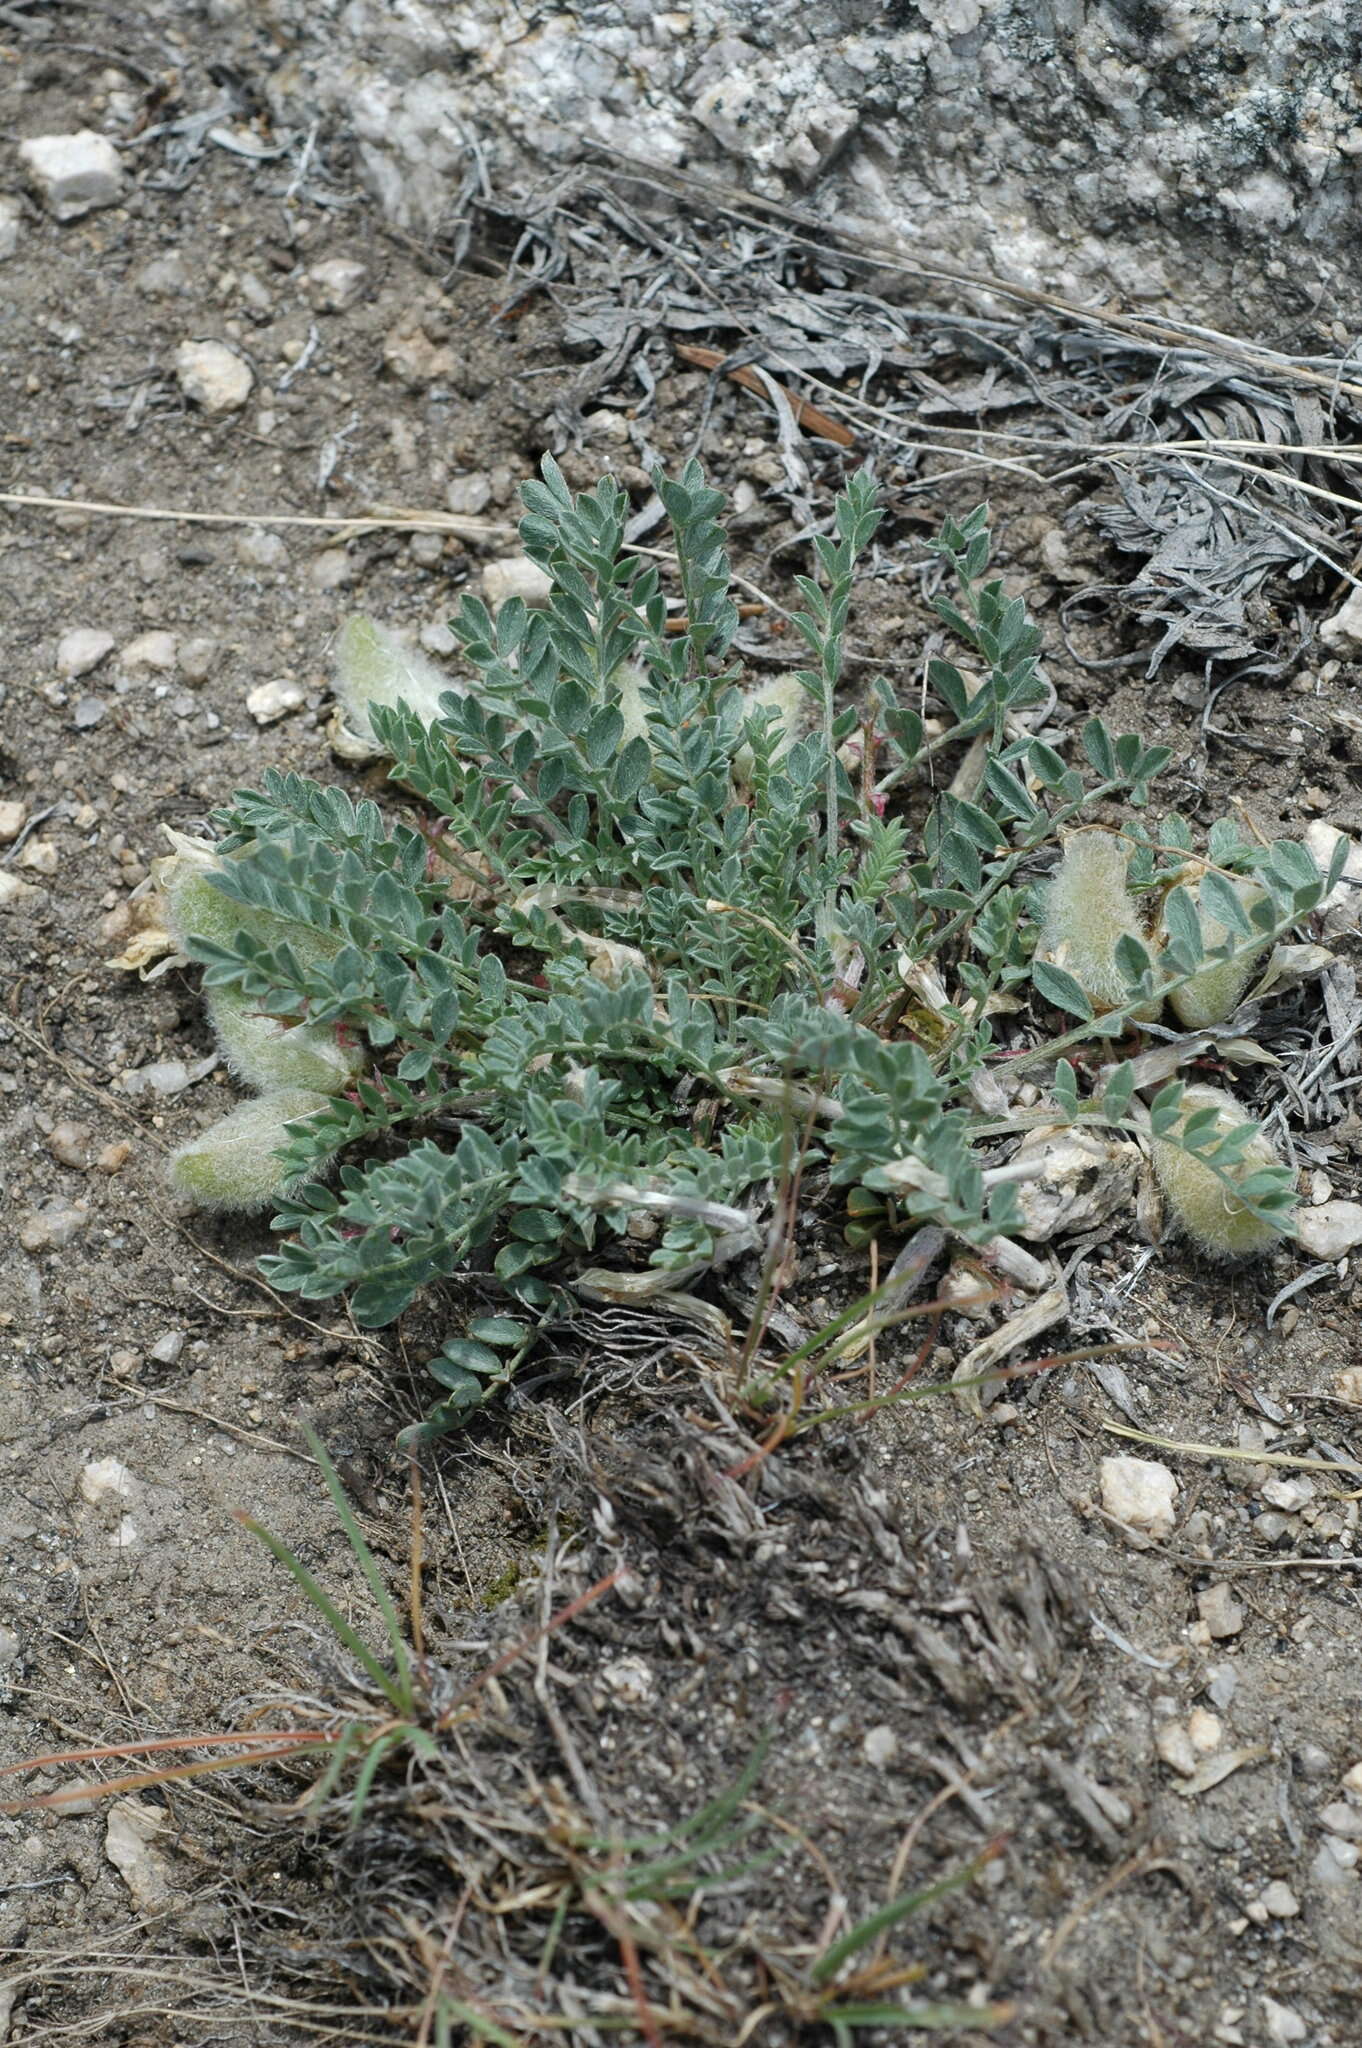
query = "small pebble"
x=1139 y=1492
x=1340 y=1817
x=437 y=638
x=81 y=650
x=1352 y=1781
x=269 y=702
x=14 y=894
x=1205 y=1730
x=166 y=1350
x=70 y=1143
x=73 y=173
x=159 y=652
x=53 y=1227
x=330 y=570
x=213 y=376
x=469 y=494
x=11 y=213
x=197 y=657
x=515 y=576
x=880 y=1746
x=113 y=1158
x=40 y=855
x=1174 y=1746
x=106 y=1479
x=88 y=712
x=334 y=284
x=12 y=817
x=1330 y=1231
x=1334 y=1862
x=1279 y=1900
x=1284 y=2026
x=1220 y=1611
x=1290 y=1495
x=258 y=548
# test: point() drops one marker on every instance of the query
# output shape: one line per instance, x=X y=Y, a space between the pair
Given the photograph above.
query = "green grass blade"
x=403 y=1696
x=948 y=2019
x=326 y=1607
x=888 y=1916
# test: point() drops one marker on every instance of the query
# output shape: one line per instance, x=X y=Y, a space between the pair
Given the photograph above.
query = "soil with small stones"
x=952 y=1647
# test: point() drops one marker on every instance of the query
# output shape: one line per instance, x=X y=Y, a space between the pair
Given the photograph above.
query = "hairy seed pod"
x=1209 y=997
x=260 y=1049
x=794 y=707
x=1200 y=1204
x=234 y=1163
x=372 y=666
x=1088 y=909
x=198 y=910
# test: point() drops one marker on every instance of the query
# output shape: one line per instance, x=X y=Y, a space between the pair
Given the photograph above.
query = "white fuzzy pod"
x=234 y=1163
x=1202 y=1206
x=372 y=666
x=268 y=1054
x=1209 y=997
x=786 y=695
x=1088 y=908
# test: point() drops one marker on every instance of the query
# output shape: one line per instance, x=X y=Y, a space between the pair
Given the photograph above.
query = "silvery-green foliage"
x=662 y=960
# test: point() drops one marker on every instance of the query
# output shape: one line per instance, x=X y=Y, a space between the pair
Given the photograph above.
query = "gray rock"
x=334 y=284
x=1093 y=150
x=70 y=1143
x=197 y=657
x=11 y=213
x=53 y=1227
x=1220 y=1611
x=87 y=712
x=73 y=173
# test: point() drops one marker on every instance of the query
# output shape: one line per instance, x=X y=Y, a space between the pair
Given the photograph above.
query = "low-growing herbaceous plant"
x=660 y=939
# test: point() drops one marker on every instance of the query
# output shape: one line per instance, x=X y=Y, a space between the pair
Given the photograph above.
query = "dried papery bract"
x=234 y=1164
x=1088 y=910
x=1204 y=1208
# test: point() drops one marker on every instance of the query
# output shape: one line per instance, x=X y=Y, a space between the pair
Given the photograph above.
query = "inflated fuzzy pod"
x=1088 y=910
x=234 y=1164
x=1211 y=996
x=260 y=1049
x=1201 y=1205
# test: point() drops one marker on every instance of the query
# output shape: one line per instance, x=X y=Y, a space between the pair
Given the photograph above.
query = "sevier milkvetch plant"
x=652 y=919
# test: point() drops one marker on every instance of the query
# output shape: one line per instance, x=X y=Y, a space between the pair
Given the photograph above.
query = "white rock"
x=165 y=1077
x=1279 y=1900
x=258 y=548
x=1330 y=1231
x=74 y=173
x=1284 y=2027
x=132 y=1829
x=196 y=659
x=437 y=638
x=1352 y=1781
x=14 y=894
x=880 y=1746
x=269 y=702
x=1348 y=1385
x=166 y=1350
x=469 y=494
x=1290 y=1495
x=106 y=1479
x=330 y=570
x=1220 y=1611
x=1342 y=906
x=1342 y=634
x=165 y=276
x=213 y=376
x=1174 y=1746
x=1334 y=1862
x=82 y=649
x=70 y=1144
x=1082 y=1178
x=41 y=856
x=1342 y=1818
x=53 y=1226
x=125 y=1535
x=11 y=213
x=334 y=284
x=157 y=651
x=1139 y=1492
x=13 y=813
x=515 y=576
x=1204 y=1730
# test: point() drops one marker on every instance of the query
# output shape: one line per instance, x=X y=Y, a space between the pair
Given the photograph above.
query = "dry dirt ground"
x=952 y=1647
